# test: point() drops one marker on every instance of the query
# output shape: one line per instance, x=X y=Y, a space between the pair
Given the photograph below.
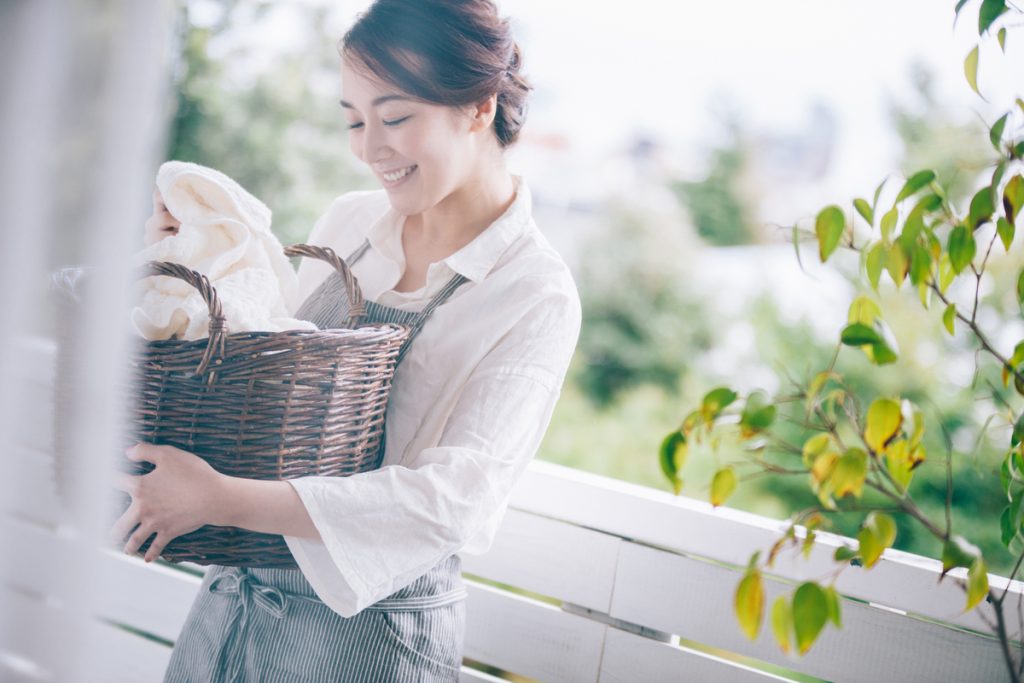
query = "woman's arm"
x=270 y=507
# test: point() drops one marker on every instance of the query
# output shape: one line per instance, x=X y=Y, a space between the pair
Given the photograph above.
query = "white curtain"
x=84 y=95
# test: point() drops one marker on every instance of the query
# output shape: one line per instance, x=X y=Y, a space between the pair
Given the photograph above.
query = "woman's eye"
x=352 y=126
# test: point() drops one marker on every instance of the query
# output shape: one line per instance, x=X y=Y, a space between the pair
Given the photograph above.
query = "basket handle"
x=357 y=307
x=218 y=325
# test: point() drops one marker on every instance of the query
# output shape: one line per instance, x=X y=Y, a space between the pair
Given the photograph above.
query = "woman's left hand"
x=182 y=494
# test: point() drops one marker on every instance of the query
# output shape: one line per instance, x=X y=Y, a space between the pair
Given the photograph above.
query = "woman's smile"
x=397 y=177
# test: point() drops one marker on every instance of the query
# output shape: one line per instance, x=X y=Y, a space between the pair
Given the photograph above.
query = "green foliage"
x=863 y=464
x=638 y=322
x=717 y=203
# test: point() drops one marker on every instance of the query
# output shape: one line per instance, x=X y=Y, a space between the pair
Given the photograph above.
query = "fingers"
x=129 y=483
x=137 y=539
x=157 y=547
x=145 y=452
x=128 y=521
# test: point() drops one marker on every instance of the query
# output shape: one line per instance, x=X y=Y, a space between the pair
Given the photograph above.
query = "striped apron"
x=267 y=624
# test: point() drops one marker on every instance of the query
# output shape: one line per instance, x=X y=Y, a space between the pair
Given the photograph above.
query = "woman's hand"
x=161 y=224
x=182 y=494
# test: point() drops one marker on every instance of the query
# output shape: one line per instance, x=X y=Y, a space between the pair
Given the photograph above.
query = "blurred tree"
x=640 y=327
x=718 y=204
x=275 y=131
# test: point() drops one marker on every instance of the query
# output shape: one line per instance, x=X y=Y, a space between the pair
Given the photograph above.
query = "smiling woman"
x=433 y=97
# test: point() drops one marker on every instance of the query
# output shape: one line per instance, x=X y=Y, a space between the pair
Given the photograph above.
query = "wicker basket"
x=262 y=405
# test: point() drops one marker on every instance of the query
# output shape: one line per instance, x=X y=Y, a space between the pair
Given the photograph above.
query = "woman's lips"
x=390 y=180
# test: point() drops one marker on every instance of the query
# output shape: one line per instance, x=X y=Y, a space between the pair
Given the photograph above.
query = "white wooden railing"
x=616 y=582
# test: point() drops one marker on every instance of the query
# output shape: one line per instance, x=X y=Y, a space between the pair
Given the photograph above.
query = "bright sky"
x=606 y=71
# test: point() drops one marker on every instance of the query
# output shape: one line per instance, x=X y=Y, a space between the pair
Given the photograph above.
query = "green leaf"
x=981 y=208
x=859 y=334
x=874 y=262
x=1005 y=229
x=896 y=263
x=884 y=419
x=946 y=272
x=1020 y=288
x=899 y=464
x=885 y=350
x=961 y=248
x=758 y=414
x=997 y=179
x=971 y=69
x=1013 y=198
x=845 y=553
x=782 y=623
x=864 y=209
x=995 y=134
x=814 y=446
x=958 y=552
x=920 y=265
x=959 y=5
x=722 y=485
x=915 y=183
x=888 y=223
x=715 y=401
x=829 y=227
x=948 y=316
x=863 y=310
x=810 y=612
x=832 y=600
x=1002 y=39
x=990 y=11
x=977 y=582
x=749 y=603
x=672 y=455
x=850 y=472
x=1018 y=431
x=876 y=534
x=1008 y=530
x=1018 y=150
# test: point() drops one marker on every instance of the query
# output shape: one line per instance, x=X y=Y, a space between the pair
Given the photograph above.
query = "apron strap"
x=418 y=318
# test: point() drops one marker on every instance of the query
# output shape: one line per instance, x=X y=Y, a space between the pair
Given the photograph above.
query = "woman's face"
x=420 y=152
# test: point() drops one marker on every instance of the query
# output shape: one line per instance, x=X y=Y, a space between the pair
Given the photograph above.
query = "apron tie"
x=268 y=598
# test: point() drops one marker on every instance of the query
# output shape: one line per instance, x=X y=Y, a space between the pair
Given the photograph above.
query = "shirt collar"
x=475 y=260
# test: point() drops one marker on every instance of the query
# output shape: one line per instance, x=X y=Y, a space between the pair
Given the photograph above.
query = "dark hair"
x=450 y=52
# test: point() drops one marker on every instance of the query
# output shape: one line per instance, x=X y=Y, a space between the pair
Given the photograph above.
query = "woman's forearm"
x=270 y=507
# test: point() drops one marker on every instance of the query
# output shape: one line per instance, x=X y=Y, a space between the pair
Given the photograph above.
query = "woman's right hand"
x=161 y=224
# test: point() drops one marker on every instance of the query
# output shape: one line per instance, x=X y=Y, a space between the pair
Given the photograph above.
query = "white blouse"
x=469 y=404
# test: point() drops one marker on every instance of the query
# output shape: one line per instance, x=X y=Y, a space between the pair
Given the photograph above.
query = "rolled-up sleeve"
x=381 y=530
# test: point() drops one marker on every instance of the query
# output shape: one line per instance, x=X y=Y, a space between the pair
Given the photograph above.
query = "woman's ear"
x=482 y=113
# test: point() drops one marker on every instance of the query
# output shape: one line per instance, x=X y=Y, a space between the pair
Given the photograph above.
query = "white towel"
x=225 y=235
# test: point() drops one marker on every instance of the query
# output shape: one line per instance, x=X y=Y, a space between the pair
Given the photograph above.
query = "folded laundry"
x=225 y=235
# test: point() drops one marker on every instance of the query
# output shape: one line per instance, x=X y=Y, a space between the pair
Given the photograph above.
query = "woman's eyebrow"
x=380 y=100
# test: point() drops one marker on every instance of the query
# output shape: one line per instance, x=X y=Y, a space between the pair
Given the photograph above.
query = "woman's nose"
x=375 y=145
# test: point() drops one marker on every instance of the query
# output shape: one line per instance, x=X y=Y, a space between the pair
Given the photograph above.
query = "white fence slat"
x=29 y=628
x=550 y=558
x=128 y=658
x=531 y=638
x=151 y=598
x=29 y=491
x=899 y=580
x=468 y=675
x=873 y=644
x=629 y=657
x=34 y=378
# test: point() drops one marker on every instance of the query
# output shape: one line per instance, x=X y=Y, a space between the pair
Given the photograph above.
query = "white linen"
x=469 y=405
x=225 y=235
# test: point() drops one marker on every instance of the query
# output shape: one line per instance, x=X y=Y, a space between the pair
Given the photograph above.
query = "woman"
x=432 y=96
